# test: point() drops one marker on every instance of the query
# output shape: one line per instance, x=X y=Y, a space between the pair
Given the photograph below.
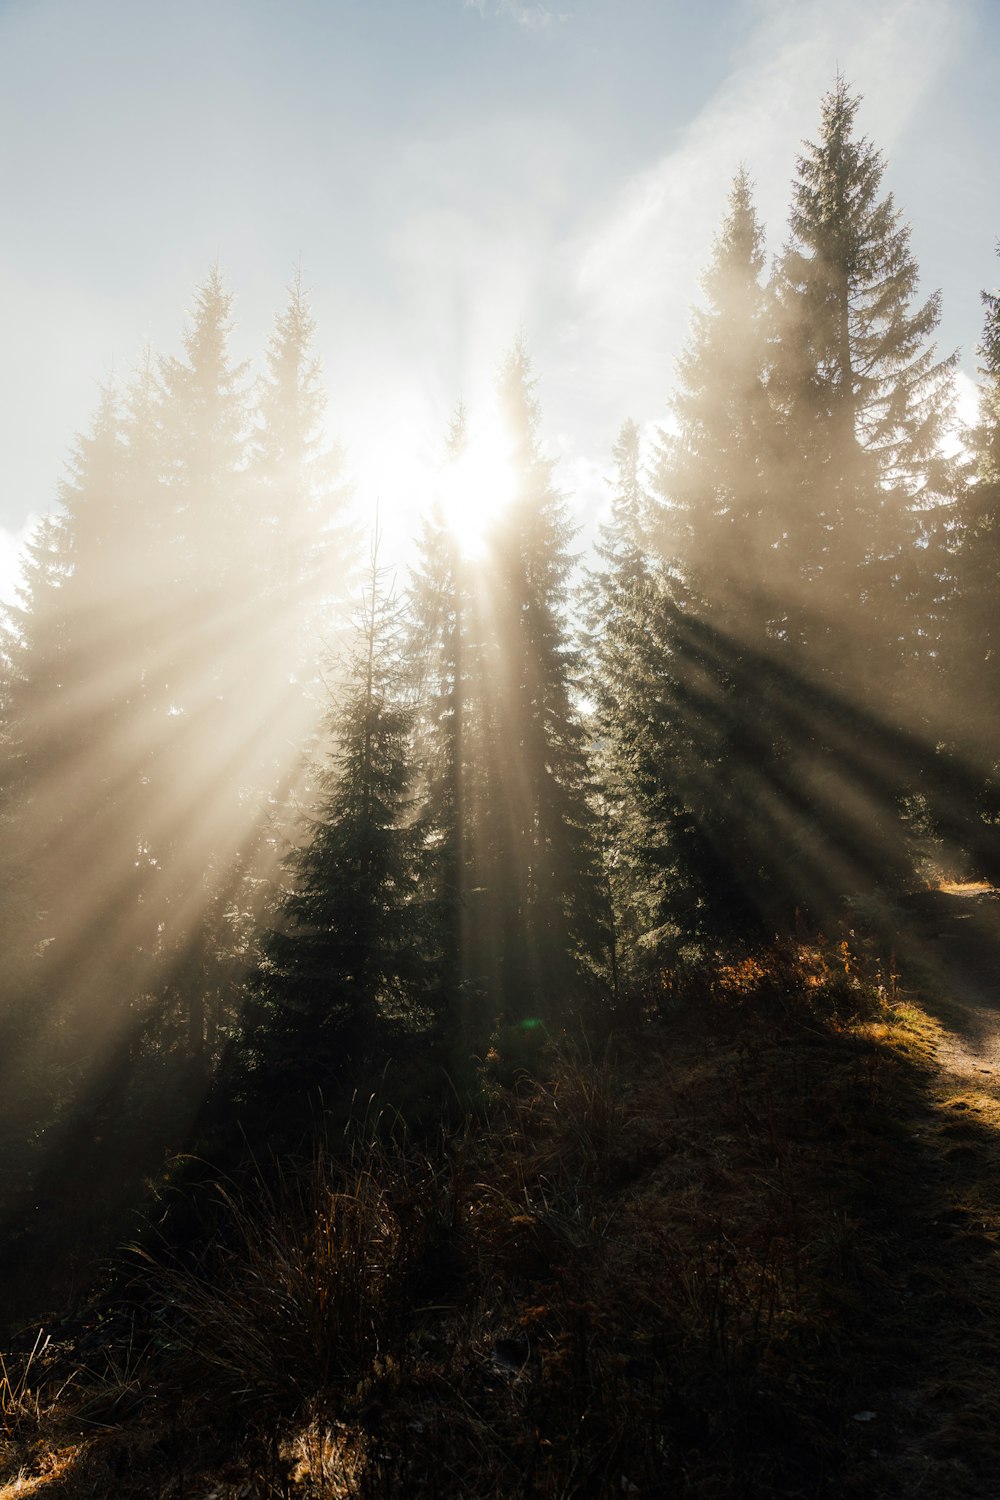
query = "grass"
x=748 y=1251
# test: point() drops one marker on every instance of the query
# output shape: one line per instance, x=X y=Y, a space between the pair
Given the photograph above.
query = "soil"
x=958 y=941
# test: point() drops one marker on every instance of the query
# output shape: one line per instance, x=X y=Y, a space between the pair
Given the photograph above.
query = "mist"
x=312 y=795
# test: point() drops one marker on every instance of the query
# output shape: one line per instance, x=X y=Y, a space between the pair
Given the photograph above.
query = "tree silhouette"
x=343 y=966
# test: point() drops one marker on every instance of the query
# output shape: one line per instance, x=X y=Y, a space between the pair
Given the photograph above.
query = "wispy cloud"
x=636 y=269
x=534 y=17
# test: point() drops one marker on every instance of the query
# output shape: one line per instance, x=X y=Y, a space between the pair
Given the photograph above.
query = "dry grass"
x=26 y=1387
x=689 y=1268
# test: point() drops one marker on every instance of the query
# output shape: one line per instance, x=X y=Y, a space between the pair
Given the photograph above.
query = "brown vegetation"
x=744 y=1253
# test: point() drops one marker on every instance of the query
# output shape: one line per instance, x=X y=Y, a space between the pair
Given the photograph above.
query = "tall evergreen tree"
x=545 y=914
x=866 y=496
x=308 y=548
x=77 y=793
x=207 y=828
x=618 y=598
x=715 y=525
x=68 y=687
x=205 y=428
x=445 y=652
x=34 y=796
x=305 y=559
x=864 y=400
x=344 y=964
x=973 y=657
x=686 y=718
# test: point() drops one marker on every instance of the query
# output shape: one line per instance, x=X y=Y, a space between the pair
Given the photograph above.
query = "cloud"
x=635 y=269
x=534 y=17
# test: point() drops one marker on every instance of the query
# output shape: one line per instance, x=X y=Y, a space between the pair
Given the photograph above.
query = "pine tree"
x=541 y=878
x=973 y=657
x=617 y=599
x=714 y=524
x=864 y=400
x=308 y=549
x=988 y=434
x=684 y=725
x=207 y=827
x=77 y=800
x=205 y=426
x=445 y=653
x=34 y=755
x=343 y=967
x=865 y=500
x=68 y=682
x=303 y=568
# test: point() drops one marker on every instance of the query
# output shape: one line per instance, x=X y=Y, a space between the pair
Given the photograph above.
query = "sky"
x=449 y=174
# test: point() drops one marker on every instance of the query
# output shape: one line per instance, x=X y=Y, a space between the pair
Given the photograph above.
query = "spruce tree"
x=981 y=530
x=687 y=717
x=864 y=400
x=303 y=571
x=445 y=652
x=77 y=798
x=617 y=599
x=973 y=658
x=307 y=546
x=714 y=523
x=866 y=515
x=207 y=828
x=545 y=915
x=343 y=968
x=34 y=802
x=66 y=770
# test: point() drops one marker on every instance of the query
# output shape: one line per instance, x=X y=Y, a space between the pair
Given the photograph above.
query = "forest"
x=366 y=932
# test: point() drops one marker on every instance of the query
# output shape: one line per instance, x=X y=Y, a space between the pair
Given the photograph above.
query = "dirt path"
x=972 y=1060
x=948 y=1290
x=958 y=935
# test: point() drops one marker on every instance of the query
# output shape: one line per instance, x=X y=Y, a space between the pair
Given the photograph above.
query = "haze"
x=447 y=174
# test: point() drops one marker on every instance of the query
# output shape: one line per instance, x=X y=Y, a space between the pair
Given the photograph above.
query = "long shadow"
x=801 y=790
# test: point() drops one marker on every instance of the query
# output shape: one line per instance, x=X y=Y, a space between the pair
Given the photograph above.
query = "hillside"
x=749 y=1249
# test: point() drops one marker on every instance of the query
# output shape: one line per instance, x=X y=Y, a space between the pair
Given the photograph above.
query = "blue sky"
x=450 y=173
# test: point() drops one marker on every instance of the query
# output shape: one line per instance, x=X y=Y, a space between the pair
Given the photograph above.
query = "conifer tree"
x=863 y=551
x=308 y=549
x=617 y=599
x=974 y=654
x=205 y=676
x=303 y=570
x=343 y=966
x=34 y=753
x=864 y=399
x=543 y=883
x=77 y=795
x=687 y=715
x=205 y=427
x=67 y=686
x=713 y=522
x=445 y=652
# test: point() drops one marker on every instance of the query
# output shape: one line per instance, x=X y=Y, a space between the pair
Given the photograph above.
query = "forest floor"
x=752 y=1251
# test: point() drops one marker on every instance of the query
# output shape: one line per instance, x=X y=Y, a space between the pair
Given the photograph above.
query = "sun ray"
x=477 y=485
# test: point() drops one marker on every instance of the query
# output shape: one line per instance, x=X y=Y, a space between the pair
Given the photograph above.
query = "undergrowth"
x=677 y=1264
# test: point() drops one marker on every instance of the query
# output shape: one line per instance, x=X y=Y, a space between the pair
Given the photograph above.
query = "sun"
x=477 y=485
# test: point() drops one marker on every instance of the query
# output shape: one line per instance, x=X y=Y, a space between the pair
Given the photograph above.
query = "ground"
x=752 y=1252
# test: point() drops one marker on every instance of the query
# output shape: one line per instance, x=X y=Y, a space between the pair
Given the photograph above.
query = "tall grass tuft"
x=307 y=1282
